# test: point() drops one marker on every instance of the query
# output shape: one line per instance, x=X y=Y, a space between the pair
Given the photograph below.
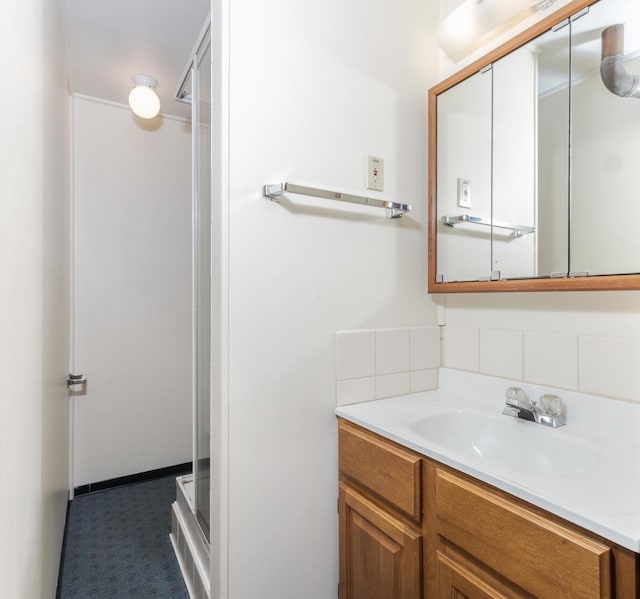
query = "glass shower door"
x=202 y=281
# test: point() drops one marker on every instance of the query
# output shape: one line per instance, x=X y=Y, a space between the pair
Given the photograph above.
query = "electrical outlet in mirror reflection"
x=464 y=193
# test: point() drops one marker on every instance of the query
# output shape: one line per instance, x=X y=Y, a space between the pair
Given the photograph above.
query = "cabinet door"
x=380 y=557
x=455 y=581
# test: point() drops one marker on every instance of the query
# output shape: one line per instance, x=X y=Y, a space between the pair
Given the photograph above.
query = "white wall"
x=34 y=303
x=314 y=89
x=132 y=204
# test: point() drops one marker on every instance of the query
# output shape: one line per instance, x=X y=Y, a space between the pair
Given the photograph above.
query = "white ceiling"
x=112 y=40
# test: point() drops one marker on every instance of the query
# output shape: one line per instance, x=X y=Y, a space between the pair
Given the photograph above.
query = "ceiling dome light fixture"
x=143 y=99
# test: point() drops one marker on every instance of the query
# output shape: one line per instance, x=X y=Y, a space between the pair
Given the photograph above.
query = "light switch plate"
x=375 y=173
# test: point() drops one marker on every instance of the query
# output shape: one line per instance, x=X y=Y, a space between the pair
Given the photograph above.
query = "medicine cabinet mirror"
x=534 y=159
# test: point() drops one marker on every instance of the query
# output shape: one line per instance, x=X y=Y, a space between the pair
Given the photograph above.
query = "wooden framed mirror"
x=533 y=152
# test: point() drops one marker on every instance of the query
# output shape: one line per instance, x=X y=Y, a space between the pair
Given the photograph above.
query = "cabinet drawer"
x=539 y=555
x=389 y=471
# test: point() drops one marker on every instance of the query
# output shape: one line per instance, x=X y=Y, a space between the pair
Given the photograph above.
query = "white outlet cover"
x=375 y=173
x=464 y=193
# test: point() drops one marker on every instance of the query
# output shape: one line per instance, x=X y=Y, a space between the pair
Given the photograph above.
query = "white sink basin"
x=510 y=443
x=587 y=472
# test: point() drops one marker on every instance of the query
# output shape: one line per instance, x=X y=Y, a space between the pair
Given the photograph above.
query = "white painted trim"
x=188 y=574
x=194 y=291
x=201 y=47
x=162 y=115
x=204 y=31
x=64 y=24
x=184 y=571
x=220 y=81
x=72 y=291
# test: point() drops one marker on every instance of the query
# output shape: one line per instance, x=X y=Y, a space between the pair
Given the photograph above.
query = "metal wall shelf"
x=275 y=191
x=518 y=230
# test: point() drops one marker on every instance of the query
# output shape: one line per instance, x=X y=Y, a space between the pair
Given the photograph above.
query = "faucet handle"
x=551 y=405
x=517 y=397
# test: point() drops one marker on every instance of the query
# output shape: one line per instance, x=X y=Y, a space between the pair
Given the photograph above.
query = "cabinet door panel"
x=380 y=557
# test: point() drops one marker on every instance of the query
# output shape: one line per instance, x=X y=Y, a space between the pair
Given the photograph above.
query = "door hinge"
x=578 y=273
x=580 y=14
x=560 y=25
x=76 y=379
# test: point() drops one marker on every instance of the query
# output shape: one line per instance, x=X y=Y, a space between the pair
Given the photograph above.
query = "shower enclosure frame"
x=192 y=511
x=201 y=164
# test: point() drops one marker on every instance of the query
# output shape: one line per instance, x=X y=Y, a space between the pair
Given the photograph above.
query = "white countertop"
x=603 y=495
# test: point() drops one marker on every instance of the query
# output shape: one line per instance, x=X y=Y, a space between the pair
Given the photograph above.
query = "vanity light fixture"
x=143 y=99
x=474 y=22
x=542 y=5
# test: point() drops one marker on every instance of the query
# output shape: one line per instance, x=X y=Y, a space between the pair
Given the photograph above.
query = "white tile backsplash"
x=609 y=366
x=386 y=362
x=355 y=354
x=392 y=351
x=501 y=353
x=390 y=385
x=381 y=363
x=551 y=359
x=424 y=380
x=425 y=348
x=461 y=348
x=355 y=391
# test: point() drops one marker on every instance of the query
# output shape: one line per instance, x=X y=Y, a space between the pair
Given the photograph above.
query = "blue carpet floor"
x=118 y=544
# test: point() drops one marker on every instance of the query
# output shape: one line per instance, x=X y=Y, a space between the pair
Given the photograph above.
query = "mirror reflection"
x=606 y=143
x=464 y=176
x=536 y=155
x=516 y=168
x=552 y=232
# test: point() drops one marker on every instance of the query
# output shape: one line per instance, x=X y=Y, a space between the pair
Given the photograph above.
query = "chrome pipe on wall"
x=614 y=75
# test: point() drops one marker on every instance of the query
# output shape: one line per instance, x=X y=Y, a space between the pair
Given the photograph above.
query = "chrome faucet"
x=550 y=411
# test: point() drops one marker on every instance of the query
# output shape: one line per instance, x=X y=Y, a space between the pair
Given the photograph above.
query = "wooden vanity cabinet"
x=380 y=517
x=413 y=528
